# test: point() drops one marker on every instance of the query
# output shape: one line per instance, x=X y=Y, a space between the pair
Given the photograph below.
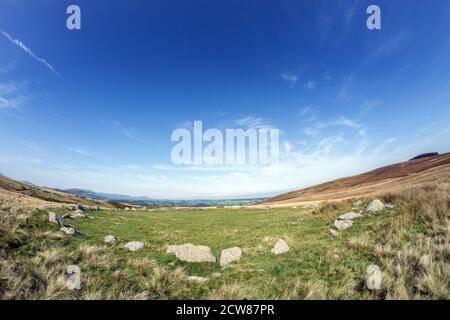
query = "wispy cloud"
x=345 y=88
x=311 y=84
x=28 y=51
x=129 y=132
x=289 y=77
x=77 y=150
x=253 y=123
x=10 y=97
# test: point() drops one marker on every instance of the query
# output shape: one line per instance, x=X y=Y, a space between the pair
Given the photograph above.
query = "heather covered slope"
x=391 y=178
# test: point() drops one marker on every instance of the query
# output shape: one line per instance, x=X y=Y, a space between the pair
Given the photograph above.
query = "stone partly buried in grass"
x=342 y=225
x=191 y=253
x=350 y=216
x=280 y=247
x=73 y=277
x=374 y=276
x=195 y=279
x=110 y=239
x=375 y=206
x=134 y=246
x=230 y=255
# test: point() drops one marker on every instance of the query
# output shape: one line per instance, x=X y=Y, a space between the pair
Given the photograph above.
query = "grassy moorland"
x=410 y=243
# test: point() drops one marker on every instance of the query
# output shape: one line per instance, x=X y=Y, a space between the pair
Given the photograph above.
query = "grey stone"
x=68 y=230
x=280 y=247
x=110 y=239
x=374 y=276
x=350 y=216
x=73 y=277
x=134 y=246
x=342 y=225
x=199 y=280
x=230 y=255
x=375 y=206
x=191 y=253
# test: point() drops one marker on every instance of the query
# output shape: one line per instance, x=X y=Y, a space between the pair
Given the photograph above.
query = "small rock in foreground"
x=110 y=239
x=134 y=246
x=375 y=206
x=73 y=277
x=373 y=277
x=230 y=255
x=342 y=225
x=350 y=216
x=280 y=247
x=199 y=280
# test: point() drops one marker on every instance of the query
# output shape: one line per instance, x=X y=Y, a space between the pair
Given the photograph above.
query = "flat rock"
x=134 y=246
x=342 y=225
x=110 y=239
x=78 y=214
x=350 y=216
x=280 y=247
x=374 y=276
x=230 y=255
x=375 y=206
x=191 y=253
x=199 y=280
x=73 y=277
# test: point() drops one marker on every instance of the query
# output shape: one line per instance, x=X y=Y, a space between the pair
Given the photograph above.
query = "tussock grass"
x=410 y=244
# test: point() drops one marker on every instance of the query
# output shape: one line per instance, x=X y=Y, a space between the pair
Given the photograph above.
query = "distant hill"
x=426 y=168
x=146 y=201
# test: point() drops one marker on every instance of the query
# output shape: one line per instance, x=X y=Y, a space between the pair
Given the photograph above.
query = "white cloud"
x=291 y=78
x=28 y=51
x=311 y=85
x=77 y=150
x=250 y=122
x=10 y=97
x=127 y=132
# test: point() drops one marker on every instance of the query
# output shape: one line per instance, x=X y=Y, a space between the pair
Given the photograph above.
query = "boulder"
x=134 y=246
x=342 y=225
x=56 y=218
x=375 y=206
x=73 y=277
x=110 y=239
x=191 y=253
x=374 y=276
x=52 y=217
x=350 y=216
x=230 y=255
x=79 y=207
x=199 y=280
x=280 y=247
x=68 y=230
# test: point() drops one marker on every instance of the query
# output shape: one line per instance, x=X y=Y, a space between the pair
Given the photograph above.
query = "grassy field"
x=410 y=243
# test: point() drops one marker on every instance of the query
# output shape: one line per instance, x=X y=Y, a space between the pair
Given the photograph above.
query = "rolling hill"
x=396 y=177
x=29 y=193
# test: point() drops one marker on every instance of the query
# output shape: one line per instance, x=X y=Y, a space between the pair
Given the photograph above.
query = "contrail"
x=28 y=51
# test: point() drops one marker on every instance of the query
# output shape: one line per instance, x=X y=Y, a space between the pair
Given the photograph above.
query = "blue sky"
x=94 y=108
